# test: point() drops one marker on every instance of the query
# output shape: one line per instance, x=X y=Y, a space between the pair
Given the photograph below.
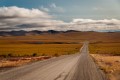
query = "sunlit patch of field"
x=109 y=64
x=105 y=48
x=38 y=49
x=107 y=56
x=19 y=51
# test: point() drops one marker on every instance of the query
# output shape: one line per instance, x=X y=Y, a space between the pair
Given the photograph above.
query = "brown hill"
x=69 y=36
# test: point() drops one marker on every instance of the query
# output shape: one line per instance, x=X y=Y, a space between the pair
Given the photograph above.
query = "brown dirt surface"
x=65 y=37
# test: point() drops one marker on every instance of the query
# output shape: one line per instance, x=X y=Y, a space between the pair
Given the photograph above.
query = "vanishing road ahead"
x=70 y=67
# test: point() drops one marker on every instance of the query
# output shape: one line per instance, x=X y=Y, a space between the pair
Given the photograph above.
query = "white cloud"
x=55 y=8
x=16 y=18
x=53 y=5
x=95 y=25
x=12 y=12
x=44 y=9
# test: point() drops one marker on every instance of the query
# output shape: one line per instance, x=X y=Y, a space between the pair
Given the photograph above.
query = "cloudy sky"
x=82 y=15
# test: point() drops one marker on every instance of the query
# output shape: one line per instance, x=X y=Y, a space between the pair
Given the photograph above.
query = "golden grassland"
x=32 y=52
x=109 y=64
x=17 y=53
x=107 y=56
x=105 y=48
x=46 y=44
x=38 y=49
x=60 y=44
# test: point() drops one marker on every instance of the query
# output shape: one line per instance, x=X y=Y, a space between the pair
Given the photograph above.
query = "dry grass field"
x=107 y=56
x=109 y=64
x=57 y=44
x=105 y=48
x=17 y=51
x=38 y=49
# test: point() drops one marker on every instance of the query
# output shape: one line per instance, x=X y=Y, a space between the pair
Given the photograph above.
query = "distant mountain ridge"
x=36 y=32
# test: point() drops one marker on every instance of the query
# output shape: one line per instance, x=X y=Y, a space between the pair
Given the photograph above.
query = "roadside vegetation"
x=105 y=48
x=107 y=56
x=23 y=50
x=15 y=53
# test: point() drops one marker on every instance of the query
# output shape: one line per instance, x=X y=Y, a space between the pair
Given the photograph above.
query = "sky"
x=82 y=15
